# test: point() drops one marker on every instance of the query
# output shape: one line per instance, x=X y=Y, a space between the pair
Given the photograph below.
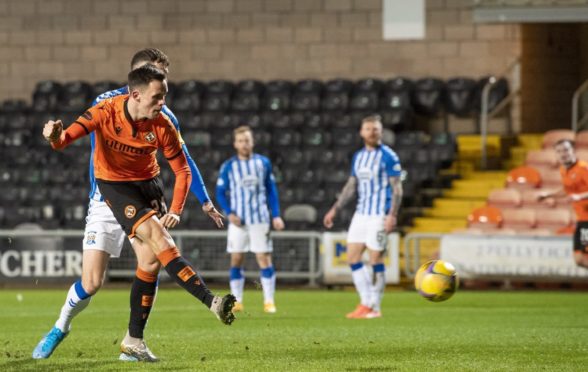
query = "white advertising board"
x=511 y=257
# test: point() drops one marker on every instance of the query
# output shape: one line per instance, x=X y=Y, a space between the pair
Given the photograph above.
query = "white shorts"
x=102 y=231
x=368 y=230
x=249 y=238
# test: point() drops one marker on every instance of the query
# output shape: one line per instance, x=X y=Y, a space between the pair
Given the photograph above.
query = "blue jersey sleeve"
x=393 y=167
x=197 y=186
x=272 y=189
x=353 y=164
x=223 y=187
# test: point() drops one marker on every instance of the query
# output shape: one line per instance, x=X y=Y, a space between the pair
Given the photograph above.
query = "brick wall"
x=236 y=39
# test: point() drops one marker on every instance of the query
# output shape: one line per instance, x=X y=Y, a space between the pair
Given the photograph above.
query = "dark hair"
x=564 y=140
x=150 y=55
x=144 y=75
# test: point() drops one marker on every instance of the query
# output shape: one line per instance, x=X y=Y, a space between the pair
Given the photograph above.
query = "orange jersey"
x=126 y=150
x=575 y=181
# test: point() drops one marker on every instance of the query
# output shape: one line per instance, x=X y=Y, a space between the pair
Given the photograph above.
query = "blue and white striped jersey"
x=250 y=186
x=197 y=187
x=373 y=168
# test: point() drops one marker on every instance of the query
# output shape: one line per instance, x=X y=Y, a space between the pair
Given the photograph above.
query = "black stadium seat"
x=366 y=95
x=218 y=95
x=428 y=96
x=498 y=92
x=336 y=96
x=307 y=95
x=188 y=96
x=75 y=96
x=277 y=95
x=460 y=96
x=397 y=94
x=46 y=96
x=247 y=96
x=104 y=86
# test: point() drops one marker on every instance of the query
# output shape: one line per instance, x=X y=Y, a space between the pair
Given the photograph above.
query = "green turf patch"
x=474 y=331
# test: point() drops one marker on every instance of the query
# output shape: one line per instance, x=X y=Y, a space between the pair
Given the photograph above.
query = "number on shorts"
x=382 y=238
x=159 y=206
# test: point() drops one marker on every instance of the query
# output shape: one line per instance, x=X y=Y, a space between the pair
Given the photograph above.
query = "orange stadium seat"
x=485 y=218
x=554 y=219
x=542 y=158
x=522 y=218
x=551 y=178
x=552 y=136
x=523 y=178
x=530 y=199
x=510 y=198
x=582 y=154
x=582 y=140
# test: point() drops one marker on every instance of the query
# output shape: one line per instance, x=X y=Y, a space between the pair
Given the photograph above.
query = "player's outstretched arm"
x=58 y=138
x=345 y=196
x=180 y=167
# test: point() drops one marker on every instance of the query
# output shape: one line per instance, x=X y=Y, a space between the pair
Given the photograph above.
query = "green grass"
x=474 y=331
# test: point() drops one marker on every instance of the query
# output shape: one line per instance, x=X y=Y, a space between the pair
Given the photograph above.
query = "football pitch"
x=473 y=331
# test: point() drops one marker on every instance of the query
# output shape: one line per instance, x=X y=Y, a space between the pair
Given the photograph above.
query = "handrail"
x=577 y=94
x=514 y=69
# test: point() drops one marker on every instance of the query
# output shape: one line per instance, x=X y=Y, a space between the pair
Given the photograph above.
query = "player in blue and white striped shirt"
x=375 y=176
x=244 y=189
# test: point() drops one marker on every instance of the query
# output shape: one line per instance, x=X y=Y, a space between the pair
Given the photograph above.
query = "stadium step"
x=427 y=224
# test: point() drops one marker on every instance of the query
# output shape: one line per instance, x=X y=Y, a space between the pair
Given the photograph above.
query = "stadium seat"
x=530 y=199
x=336 y=96
x=262 y=138
x=247 y=96
x=397 y=119
x=218 y=95
x=552 y=136
x=104 y=86
x=501 y=198
x=523 y=178
x=554 y=219
x=460 y=95
x=519 y=218
x=550 y=177
x=75 y=96
x=365 y=96
x=46 y=96
x=188 y=96
x=14 y=105
x=396 y=94
x=300 y=216
x=344 y=137
x=277 y=95
x=487 y=217
x=542 y=158
x=285 y=138
x=582 y=140
x=498 y=92
x=428 y=96
x=582 y=154
x=307 y=95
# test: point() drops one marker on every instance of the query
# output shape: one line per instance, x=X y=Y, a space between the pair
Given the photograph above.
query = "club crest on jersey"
x=91 y=238
x=249 y=181
x=150 y=137
x=365 y=174
x=130 y=211
x=117 y=130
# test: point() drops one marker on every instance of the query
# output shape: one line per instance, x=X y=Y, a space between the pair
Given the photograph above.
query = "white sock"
x=237 y=282
x=268 y=283
x=76 y=301
x=378 y=286
x=362 y=282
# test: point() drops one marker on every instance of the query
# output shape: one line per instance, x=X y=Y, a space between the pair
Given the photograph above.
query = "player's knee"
x=92 y=284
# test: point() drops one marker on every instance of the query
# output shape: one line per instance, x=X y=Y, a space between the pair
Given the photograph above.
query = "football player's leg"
x=151 y=232
x=378 y=282
x=237 y=246
x=261 y=244
x=143 y=292
x=78 y=298
x=360 y=278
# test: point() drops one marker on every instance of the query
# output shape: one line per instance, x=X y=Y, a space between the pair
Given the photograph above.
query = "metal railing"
x=300 y=257
x=514 y=70
x=412 y=258
x=576 y=109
